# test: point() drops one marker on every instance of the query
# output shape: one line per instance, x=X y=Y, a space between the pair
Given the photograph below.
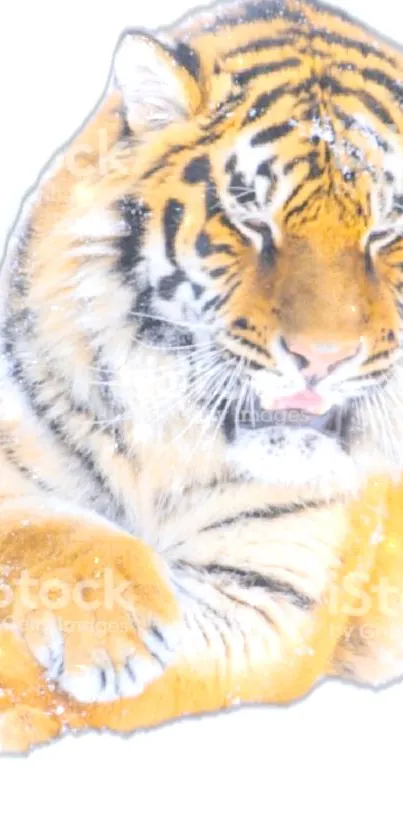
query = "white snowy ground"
x=330 y=765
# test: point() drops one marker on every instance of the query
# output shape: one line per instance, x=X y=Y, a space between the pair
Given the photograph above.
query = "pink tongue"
x=305 y=400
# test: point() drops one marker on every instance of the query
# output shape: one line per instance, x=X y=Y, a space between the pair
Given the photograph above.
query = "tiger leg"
x=240 y=642
x=93 y=606
x=260 y=620
x=257 y=625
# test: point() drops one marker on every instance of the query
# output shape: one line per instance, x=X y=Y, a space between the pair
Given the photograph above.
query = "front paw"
x=103 y=626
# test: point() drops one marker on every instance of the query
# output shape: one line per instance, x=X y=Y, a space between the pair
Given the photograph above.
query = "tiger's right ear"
x=159 y=84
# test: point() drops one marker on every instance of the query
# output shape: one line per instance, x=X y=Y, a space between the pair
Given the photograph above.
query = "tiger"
x=201 y=413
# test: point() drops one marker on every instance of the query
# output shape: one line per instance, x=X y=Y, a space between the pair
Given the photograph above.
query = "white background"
x=328 y=766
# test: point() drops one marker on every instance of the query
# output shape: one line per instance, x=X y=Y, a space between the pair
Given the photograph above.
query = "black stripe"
x=377 y=236
x=205 y=139
x=324 y=82
x=239 y=189
x=393 y=246
x=198 y=290
x=220 y=300
x=301 y=207
x=150 y=327
x=187 y=56
x=312 y=158
x=245 y=342
x=369 y=263
x=126 y=133
x=380 y=356
x=224 y=111
x=229 y=225
x=328 y=83
x=163 y=161
x=351 y=122
x=19 y=278
x=375 y=106
x=210 y=304
x=363 y=47
x=315 y=170
x=294 y=194
x=199 y=171
x=231 y=164
x=264 y=514
x=205 y=247
x=275 y=132
x=394 y=87
x=265 y=167
x=168 y=285
x=184 y=568
x=135 y=215
x=24 y=470
x=254 y=579
x=216 y=273
x=172 y=220
x=263 y=102
x=41 y=411
x=261 y=44
x=268 y=251
x=398 y=200
x=245 y=76
x=213 y=203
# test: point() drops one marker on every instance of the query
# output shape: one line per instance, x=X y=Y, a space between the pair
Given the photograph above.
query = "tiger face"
x=226 y=252
x=270 y=209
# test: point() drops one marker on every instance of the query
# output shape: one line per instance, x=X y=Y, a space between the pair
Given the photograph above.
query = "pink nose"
x=318 y=359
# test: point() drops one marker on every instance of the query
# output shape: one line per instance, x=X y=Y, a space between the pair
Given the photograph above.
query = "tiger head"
x=263 y=214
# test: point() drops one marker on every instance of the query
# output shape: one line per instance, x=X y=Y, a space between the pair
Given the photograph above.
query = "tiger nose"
x=318 y=359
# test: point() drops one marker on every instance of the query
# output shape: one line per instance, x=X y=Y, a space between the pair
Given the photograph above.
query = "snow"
x=330 y=765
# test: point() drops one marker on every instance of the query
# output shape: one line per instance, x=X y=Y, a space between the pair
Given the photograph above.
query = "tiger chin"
x=201 y=385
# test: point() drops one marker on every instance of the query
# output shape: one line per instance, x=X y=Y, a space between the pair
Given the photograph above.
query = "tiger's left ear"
x=159 y=84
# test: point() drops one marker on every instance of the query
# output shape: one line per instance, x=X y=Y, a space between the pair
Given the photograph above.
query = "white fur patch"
x=296 y=460
x=248 y=159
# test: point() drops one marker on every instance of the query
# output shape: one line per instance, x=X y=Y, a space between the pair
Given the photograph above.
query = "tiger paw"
x=102 y=622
